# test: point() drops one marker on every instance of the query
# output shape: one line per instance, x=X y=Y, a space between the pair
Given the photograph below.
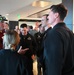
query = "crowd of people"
x=51 y=43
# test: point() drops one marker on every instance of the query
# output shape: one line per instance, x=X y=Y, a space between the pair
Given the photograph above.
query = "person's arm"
x=22 y=51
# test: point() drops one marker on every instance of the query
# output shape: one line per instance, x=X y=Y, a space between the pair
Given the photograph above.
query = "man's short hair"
x=23 y=25
x=61 y=9
x=31 y=27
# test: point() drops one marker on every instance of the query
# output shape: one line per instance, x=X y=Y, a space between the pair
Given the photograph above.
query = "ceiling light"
x=7 y=14
x=40 y=3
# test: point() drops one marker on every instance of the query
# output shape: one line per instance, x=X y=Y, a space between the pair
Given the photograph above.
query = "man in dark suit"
x=58 y=52
x=44 y=27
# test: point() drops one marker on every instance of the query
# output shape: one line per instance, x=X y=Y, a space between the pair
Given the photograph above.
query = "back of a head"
x=61 y=9
x=11 y=39
x=31 y=27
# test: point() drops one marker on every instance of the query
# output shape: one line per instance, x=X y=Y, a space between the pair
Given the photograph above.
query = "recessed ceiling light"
x=7 y=14
x=40 y=3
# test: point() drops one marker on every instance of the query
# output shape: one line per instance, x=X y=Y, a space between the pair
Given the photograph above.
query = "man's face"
x=6 y=26
x=43 y=21
x=41 y=29
x=24 y=31
x=51 y=17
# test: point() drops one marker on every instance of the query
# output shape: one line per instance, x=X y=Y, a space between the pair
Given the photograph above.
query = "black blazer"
x=11 y=63
x=58 y=57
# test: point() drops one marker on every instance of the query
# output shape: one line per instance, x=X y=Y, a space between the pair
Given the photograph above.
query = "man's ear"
x=56 y=15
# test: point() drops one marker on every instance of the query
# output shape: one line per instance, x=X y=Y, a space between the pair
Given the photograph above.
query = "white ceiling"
x=22 y=8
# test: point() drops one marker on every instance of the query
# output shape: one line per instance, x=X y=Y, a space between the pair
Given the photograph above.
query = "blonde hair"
x=11 y=39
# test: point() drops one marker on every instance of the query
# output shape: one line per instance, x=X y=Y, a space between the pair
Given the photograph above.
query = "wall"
x=69 y=19
x=12 y=24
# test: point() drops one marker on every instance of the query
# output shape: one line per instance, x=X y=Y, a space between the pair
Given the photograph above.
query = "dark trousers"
x=30 y=66
x=39 y=66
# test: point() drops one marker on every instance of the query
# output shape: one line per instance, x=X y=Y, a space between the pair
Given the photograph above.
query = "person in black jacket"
x=39 y=36
x=11 y=63
x=27 y=41
x=58 y=51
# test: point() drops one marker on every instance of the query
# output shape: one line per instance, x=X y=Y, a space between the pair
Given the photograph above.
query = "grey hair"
x=10 y=39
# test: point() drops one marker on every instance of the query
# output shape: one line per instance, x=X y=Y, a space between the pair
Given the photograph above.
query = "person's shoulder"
x=30 y=35
x=52 y=32
x=37 y=33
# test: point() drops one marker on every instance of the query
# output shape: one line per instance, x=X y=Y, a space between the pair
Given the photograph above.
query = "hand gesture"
x=22 y=51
